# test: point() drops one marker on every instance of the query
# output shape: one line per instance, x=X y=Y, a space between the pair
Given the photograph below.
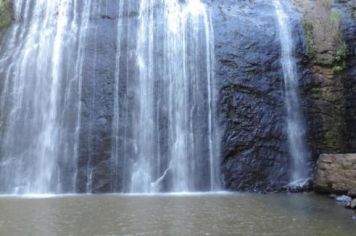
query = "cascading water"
x=295 y=129
x=164 y=110
x=41 y=65
x=164 y=136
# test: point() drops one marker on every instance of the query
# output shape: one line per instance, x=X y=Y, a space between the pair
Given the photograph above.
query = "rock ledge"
x=336 y=173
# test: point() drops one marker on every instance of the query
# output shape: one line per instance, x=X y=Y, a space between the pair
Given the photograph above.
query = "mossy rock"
x=5 y=14
x=308 y=30
x=337 y=61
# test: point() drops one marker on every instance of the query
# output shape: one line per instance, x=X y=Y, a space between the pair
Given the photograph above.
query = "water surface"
x=214 y=214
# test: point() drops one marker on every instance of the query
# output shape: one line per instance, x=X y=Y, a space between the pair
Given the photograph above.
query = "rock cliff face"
x=349 y=76
x=247 y=53
x=336 y=174
x=329 y=91
x=248 y=71
x=96 y=138
x=255 y=155
x=250 y=81
x=329 y=74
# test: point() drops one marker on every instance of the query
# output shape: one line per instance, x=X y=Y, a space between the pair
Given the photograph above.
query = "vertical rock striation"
x=103 y=96
x=251 y=101
x=164 y=112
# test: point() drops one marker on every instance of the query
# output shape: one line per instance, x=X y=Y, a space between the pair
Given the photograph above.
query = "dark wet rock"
x=301 y=186
x=352 y=193
x=94 y=164
x=349 y=77
x=254 y=149
x=251 y=103
x=248 y=71
x=350 y=5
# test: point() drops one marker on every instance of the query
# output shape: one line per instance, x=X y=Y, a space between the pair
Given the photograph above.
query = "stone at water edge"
x=299 y=186
x=344 y=200
x=353 y=204
x=336 y=173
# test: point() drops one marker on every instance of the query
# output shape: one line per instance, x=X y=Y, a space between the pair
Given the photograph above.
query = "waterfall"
x=165 y=135
x=295 y=124
x=41 y=61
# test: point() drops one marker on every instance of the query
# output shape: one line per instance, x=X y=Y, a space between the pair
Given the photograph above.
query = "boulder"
x=344 y=200
x=353 y=204
x=336 y=173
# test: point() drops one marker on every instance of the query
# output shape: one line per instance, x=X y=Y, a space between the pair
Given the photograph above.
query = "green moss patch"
x=308 y=30
x=337 y=61
x=5 y=14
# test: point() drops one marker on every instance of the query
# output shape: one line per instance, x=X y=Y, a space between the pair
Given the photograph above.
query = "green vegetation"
x=336 y=62
x=339 y=61
x=335 y=18
x=308 y=30
x=5 y=14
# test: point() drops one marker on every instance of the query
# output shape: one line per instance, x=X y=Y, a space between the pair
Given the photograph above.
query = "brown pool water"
x=212 y=214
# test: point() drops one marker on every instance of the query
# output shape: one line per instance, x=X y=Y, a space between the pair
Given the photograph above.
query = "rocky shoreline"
x=336 y=175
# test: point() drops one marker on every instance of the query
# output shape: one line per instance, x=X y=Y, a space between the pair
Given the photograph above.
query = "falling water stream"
x=40 y=64
x=159 y=126
x=167 y=140
x=163 y=129
x=295 y=125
